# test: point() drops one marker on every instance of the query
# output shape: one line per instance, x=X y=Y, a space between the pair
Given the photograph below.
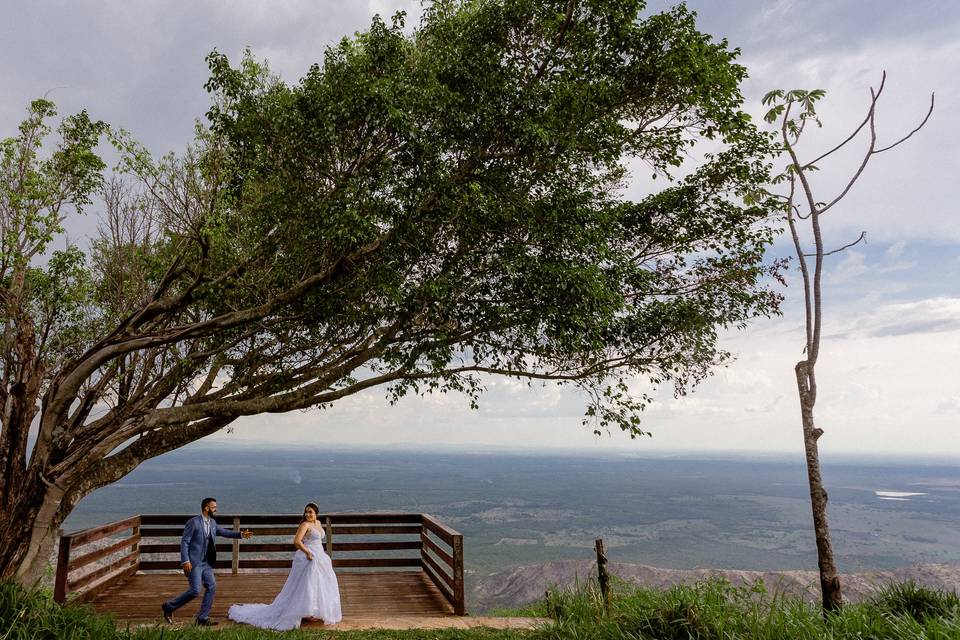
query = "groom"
x=198 y=555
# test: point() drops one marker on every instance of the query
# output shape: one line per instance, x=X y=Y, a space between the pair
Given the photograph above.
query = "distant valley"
x=531 y=520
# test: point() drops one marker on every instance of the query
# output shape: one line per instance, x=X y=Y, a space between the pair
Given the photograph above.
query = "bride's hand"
x=309 y=556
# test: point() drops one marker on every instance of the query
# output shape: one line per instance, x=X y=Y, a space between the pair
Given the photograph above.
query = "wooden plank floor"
x=365 y=597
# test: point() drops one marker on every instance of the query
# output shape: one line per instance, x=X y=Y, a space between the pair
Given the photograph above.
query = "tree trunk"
x=829 y=579
x=29 y=532
x=604 y=577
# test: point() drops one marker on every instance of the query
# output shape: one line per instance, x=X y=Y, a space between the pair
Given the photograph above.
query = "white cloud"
x=930 y=316
x=901 y=265
x=774 y=12
x=851 y=266
x=386 y=9
x=949 y=406
x=896 y=249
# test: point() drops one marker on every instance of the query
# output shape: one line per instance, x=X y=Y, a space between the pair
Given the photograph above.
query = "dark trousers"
x=201 y=574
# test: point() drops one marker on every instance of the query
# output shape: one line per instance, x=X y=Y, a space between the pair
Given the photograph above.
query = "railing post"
x=63 y=568
x=423 y=545
x=135 y=531
x=328 y=525
x=235 y=553
x=459 y=604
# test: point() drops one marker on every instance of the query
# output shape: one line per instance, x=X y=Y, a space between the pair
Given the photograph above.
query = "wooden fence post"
x=235 y=554
x=459 y=604
x=602 y=574
x=135 y=531
x=328 y=525
x=63 y=568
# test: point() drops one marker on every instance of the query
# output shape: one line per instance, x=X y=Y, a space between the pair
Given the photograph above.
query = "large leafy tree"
x=418 y=212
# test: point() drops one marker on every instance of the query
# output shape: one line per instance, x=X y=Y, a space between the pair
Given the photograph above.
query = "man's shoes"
x=207 y=622
x=167 y=614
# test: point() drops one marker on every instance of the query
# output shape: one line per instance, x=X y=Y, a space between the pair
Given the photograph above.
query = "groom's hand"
x=187 y=568
x=246 y=533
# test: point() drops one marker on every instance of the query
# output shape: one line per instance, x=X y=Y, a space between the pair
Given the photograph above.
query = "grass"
x=916 y=601
x=716 y=610
x=713 y=610
x=33 y=615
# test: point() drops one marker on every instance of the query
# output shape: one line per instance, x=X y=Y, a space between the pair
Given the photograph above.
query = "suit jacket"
x=195 y=547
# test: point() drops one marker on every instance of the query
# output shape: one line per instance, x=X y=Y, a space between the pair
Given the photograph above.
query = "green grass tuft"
x=34 y=615
x=916 y=601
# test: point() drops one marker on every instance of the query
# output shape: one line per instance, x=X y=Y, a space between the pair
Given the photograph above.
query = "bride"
x=310 y=591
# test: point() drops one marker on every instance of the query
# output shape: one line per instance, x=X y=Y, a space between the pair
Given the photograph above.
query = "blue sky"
x=888 y=371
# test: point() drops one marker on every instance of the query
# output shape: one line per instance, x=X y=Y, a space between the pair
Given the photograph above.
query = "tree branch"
x=863 y=236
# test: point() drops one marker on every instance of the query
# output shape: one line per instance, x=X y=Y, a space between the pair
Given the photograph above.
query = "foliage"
x=486 y=172
x=36 y=195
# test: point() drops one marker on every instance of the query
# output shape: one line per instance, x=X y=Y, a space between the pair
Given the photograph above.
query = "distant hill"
x=525 y=584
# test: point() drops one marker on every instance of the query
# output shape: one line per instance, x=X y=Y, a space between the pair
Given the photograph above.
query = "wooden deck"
x=365 y=597
x=390 y=566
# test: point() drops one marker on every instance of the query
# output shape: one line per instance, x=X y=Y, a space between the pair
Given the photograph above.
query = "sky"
x=888 y=377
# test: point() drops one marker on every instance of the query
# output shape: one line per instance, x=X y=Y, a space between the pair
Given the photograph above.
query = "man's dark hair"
x=206 y=501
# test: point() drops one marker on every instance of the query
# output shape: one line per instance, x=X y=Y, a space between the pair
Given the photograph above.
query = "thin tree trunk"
x=829 y=579
x=604 y=577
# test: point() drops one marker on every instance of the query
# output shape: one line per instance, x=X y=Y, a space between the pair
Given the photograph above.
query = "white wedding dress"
x=311 y=591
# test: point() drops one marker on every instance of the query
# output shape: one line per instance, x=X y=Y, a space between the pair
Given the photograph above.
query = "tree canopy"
x=419 y=211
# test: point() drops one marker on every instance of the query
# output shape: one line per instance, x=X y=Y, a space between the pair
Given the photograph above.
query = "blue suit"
x=200 y=550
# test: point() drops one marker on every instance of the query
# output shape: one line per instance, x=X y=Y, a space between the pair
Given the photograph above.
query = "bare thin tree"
x=793 y=111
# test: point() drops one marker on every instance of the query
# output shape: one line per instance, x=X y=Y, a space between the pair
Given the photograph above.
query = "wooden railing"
x=72 y=556
x=445 y=568
x=355 y=542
